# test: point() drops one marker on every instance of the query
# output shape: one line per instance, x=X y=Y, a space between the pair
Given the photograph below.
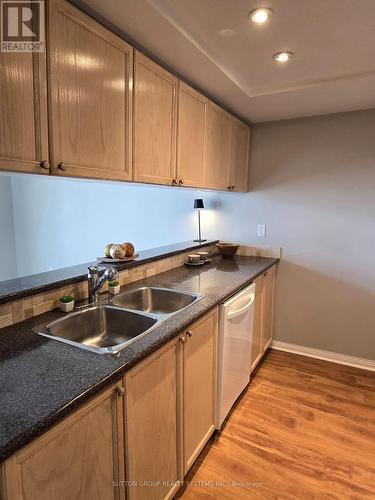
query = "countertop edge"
x=68 y=409
x=23 y=292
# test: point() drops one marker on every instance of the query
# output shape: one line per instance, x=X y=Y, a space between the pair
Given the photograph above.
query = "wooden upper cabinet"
x=219 y=124
x=191 y=134
x=79 y=458
x=199 y=386
x=23 y=113
x=155 y=117
x=174 y=135
x=239 y=156
x=90 y=84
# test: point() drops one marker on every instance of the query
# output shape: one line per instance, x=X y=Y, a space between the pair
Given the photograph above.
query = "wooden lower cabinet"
x=268 y=299
x=170 y=411
x=256 y=345
x=263 y=315
x=153 y=425
x=80 y=458
x=199 y=386
x=152 y=436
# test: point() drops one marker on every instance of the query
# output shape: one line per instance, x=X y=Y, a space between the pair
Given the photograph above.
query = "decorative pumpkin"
x=117 y=252
x=107 y=250
x=129 y=248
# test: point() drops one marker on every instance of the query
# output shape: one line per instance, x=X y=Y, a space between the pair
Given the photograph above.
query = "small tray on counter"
x=200 y=263
x=109 y=260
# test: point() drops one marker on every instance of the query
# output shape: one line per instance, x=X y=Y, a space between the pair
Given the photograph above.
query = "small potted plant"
x=66 y=303
x=113 y=287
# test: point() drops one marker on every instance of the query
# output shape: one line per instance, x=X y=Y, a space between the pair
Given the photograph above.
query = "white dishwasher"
x=234 y=350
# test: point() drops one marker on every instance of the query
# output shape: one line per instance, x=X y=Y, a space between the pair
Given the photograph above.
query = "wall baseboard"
x=334 y=357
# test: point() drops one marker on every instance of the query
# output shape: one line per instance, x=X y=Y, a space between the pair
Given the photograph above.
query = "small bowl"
x=227 y=250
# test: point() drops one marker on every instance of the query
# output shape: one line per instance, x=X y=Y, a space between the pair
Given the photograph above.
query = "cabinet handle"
x=266 y=275
x=183 y=339
x=230 y=188
x=174 y=182
x=233 y=188
x=189 y=333
x=45 y=164
x=119 y=391
x=180 y=182
x=62 y=165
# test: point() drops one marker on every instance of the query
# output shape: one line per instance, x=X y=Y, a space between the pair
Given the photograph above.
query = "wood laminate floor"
x=304 y=429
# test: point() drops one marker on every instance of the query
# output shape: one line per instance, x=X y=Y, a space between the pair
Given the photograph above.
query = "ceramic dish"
x=109 y=260
x=200 y=263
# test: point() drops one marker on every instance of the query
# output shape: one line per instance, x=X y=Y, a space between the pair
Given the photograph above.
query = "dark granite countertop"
x=43 y=380
x=42 y=282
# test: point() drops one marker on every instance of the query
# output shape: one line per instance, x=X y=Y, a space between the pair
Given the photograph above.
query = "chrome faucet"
x=95 y=283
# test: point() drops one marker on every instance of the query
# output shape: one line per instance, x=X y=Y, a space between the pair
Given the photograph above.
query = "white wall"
x=313 y=185
x=62 y=222
x=8 y=260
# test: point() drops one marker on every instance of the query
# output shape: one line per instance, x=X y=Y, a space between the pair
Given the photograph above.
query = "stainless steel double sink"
x=111 y=326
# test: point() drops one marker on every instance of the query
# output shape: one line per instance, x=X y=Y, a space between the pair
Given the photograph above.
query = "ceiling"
x=212 y=44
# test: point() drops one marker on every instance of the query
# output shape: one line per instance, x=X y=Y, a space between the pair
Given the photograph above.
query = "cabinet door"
x=155 y=99
x=256 y=344
x=23 y=113
x=199 y=386
x=239 y=156
x=79 y=458
x=90 y=101
x=191 y=136
x=269 y=278
x=217 y=148
x=152 y=426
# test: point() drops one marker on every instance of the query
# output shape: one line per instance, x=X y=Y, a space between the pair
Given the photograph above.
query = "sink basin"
x=108 y=328
x=102 y=328
x=155 y=300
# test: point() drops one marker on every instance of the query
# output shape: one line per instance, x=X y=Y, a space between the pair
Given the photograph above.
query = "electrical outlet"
x=261 y=230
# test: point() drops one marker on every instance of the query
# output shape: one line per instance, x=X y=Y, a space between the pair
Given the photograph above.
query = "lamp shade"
x=198 y=203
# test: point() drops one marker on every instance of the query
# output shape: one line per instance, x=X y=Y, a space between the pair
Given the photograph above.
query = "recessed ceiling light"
x=282 y=57
x=261 y=15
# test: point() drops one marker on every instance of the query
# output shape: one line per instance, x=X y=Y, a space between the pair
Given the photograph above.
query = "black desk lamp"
x=198 y=205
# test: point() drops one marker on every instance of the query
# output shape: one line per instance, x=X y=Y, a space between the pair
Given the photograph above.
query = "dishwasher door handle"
x=237 y=312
